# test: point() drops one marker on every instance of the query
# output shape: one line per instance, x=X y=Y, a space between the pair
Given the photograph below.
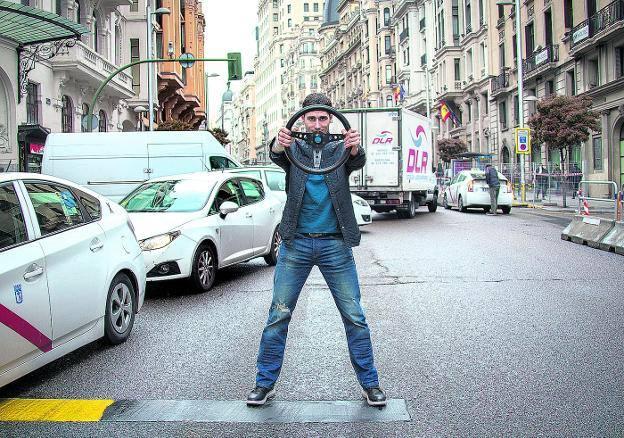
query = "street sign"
x=85 y=122
x=235 y=66
x=523 y=141
x=187 y=60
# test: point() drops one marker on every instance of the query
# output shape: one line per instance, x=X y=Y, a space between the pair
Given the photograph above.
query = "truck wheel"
x=433 y=205
x=411 y=209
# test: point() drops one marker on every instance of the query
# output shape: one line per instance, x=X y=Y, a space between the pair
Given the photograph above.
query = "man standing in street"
x=318 y=228
x=491 y=178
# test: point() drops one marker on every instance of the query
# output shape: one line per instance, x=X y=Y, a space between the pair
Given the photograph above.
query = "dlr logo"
x=382 y=140
x=417 y=161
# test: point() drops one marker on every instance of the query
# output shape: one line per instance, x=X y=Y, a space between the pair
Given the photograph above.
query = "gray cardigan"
x=337 y=183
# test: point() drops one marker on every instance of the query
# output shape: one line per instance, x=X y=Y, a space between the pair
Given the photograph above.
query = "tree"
x=449 y=147
x=174 y=125
x=562 y=121
x=220 y=135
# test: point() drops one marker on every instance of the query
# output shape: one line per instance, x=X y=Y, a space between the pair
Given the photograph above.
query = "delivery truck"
x=398 y=174
x=115 y=163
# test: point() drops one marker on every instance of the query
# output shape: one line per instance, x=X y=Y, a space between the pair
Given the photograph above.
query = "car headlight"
x=360 y=202
x=159 y=241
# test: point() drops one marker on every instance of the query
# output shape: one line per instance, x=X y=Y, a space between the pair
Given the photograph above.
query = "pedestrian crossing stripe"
x=56 y=410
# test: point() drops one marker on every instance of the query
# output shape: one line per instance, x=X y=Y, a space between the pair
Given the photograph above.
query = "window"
x=85 y=111
x=228 y=192
x=593 y=73
x=32 y=103
x=597 y=152
x=514 y=47
x=276 y=180
x=387 y=44
x=12 y=226
x=457 y=64
x=550 y=87
x=90 y=204
x=103 y=122
x=619 y=62
x=388 y=101
x=77 y=13
x=501 y=12
x=253 y=190
x=67 y=114
x=306 y=7
x=275 y=17
x=171 y=196
x=516 y=111
x=288 y=8
x=94 y=31
x=289 y=25
x=386 y=15
x=570 y=83
x=306 y=18
x=58 y=7
x=134 y=7
x=468 y=17
x=568 y=13
x=135 y=69
x=530 y=39
x=502 y=114
x=55 y=206
x=217 y=162
x=548 y=27
x=481 y=16
x=316 y=7
x=388 y=74
x=455 y=22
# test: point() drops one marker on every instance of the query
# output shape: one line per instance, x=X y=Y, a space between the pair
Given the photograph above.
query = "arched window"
x=94 y=31
x=85 y=111
x=67 y=114
x=103 y=121
x=386 y=17
x=506 y=157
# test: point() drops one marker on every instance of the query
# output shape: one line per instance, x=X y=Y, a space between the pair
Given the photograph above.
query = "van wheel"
x=204 y=268
x=506 y=209
x=120 y=310
x=271 y=257
x=460 y=205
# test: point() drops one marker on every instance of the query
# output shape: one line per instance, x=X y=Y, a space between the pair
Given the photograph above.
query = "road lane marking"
x=25 y=329
x=57 y=410
x=202 y=411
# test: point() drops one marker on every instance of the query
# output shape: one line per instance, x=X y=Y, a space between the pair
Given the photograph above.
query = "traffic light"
x=235 y=66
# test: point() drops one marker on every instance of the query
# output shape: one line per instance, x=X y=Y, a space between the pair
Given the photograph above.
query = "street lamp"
x=520 y=81
x=139 y=110
x=150 y=73
x=207 y=97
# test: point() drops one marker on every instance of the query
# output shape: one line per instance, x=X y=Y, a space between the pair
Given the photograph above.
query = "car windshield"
x=168 y=196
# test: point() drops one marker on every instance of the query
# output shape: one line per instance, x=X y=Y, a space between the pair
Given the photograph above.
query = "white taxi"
x=274 y=179
x=192 y=225
x=71 y=271
x=468 y=189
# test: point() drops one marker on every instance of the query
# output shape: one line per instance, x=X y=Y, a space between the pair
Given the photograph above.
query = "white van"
x=115 y=163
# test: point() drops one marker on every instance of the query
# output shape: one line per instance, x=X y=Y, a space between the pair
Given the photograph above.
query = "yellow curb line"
x=13 y=409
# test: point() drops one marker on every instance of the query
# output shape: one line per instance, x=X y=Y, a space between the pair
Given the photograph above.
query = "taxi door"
x=25 y=324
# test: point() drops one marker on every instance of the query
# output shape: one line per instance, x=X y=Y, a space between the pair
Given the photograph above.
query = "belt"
x=321 y=235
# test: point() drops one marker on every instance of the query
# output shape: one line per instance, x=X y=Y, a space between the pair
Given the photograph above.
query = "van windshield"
x=168 y=196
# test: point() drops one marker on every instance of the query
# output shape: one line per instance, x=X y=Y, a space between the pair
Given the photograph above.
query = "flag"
x=445 y=112
x=396 y=91
x=402 y=92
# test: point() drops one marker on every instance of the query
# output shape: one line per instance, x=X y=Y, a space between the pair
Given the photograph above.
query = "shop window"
x=67 y=114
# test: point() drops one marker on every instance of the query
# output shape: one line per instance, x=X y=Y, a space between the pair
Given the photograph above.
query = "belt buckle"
x=316 y=235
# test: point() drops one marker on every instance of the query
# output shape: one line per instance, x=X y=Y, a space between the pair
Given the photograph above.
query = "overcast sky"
x=230 y=27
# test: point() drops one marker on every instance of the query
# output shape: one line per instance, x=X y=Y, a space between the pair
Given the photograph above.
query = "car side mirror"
x=227 y=207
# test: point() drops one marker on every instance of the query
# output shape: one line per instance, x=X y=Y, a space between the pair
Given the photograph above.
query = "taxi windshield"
x=168 y=196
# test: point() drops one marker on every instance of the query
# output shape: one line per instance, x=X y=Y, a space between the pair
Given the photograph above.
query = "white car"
x=275 y=180
x=191 y=225
x=71 y=271
x=468 y=189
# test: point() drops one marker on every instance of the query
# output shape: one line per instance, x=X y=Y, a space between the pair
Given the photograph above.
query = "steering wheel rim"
x=343 y=158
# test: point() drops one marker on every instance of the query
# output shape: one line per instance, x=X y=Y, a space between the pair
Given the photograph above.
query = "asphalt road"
x=483 y=325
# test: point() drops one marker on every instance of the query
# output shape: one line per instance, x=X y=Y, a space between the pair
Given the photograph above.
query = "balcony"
x=500 y=83
x=540 y=61
x=87 y=65
x=597 y=27
x=403 y=35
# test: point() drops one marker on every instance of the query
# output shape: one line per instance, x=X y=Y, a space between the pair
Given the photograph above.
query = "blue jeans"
x=335 y=261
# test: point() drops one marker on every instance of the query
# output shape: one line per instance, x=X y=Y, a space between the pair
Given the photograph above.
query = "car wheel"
x=204 y=268
x=120 y=310
x=433 y=205
x=445 y=203
x=460 y=205
x=506 y=209
x=276 y=241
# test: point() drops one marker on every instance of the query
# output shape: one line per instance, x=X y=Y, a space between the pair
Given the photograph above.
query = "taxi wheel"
x=120 y=310
x=204 y=268
x=445 y=203
x=271 y=257
x=460 y=205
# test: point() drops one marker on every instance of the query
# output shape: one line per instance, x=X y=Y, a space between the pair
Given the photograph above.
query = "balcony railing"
x=500 y=82
x=403 y=35
x=601 y=20
x=545 y=56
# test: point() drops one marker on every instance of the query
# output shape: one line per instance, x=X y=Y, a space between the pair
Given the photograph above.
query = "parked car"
x=468 y=189
x=274 y=179
x=71 y=271
x=191 y=225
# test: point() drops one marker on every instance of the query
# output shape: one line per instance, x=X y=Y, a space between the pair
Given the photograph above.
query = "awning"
x=26 y=25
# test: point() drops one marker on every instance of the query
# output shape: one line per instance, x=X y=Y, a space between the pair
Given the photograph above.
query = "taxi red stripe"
x=25 y=329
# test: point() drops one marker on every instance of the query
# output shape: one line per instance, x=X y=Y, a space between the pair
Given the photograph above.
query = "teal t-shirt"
x=317 y=211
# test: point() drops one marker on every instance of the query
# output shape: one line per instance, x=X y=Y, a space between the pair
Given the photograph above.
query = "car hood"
x=152 y=224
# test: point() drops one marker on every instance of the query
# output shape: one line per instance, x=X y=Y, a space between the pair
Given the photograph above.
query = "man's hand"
x=352 y=140
x=284 y=138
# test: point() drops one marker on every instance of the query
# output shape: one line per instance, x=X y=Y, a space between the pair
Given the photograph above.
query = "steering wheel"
x=317 y=140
